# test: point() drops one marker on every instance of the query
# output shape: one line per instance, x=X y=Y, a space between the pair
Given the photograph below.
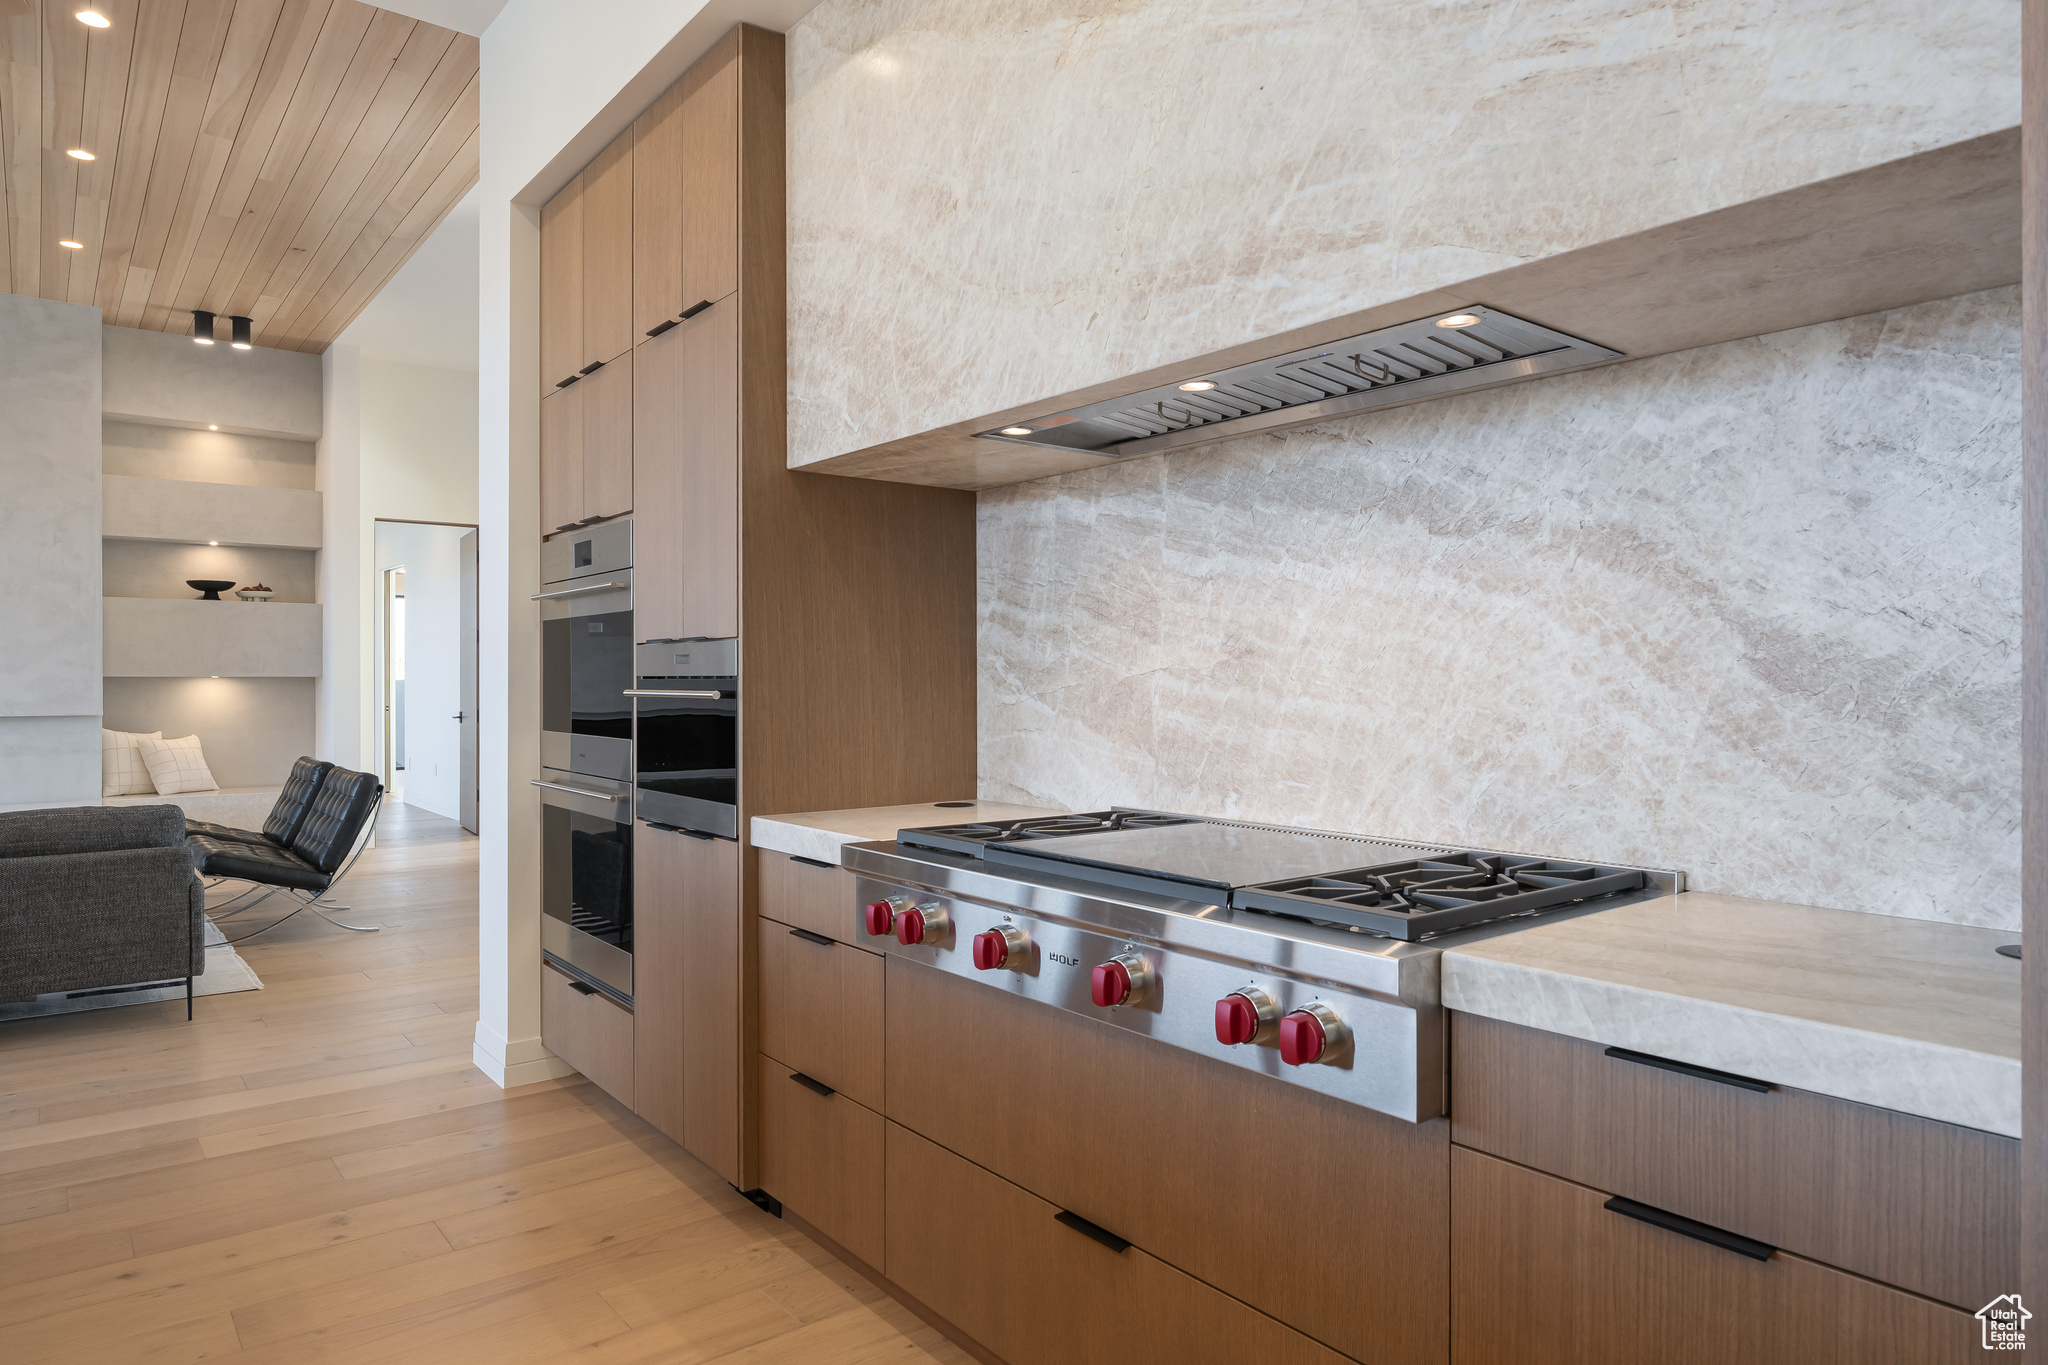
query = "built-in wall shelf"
x=163 y=637
x=1930 y=226
x=196 y=513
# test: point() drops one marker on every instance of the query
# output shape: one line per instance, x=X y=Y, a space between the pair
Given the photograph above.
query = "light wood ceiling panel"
x=277 y=159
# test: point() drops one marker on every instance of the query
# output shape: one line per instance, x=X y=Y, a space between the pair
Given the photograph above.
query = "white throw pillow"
x=176 y=765
x=121 y=769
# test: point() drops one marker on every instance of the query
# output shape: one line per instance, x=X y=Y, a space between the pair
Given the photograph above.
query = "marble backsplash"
x=1750 y=611
x=993 y=201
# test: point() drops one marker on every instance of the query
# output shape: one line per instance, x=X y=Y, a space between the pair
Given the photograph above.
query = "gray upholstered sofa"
x=95 y=896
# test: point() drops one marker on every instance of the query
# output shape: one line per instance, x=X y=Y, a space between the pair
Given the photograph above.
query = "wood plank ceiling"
x=272 y=159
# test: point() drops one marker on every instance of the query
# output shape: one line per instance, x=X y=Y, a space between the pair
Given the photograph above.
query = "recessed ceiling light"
x=92 y=18
x=81 y=154
x=213 y=542
x=1197 y=386
x=211 y=426
x=1459 y=320
x=67 y=242
x=1016 y=431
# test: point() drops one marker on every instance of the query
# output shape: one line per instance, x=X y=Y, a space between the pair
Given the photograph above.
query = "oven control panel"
x=1349 y=1044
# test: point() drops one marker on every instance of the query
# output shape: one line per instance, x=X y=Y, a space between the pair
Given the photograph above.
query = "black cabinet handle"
x=661 y=327
x=568 y=526
x=698 y=834
x=809 y=937
x=592 y=368
x=1698 y=1073
x=675 y=829
x=1094 y=1232
x=808 y=862
x=815 y=1087
x=565 y=383
x=694 y=309
x=1687 y=1227
x=581 y=989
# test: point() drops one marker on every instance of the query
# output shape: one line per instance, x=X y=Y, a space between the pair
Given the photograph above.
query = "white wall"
x=556 y=89
x=431 y=558
x=49 y=552
x=401 y=446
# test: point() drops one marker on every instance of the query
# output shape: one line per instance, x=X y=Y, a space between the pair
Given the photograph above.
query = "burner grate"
x=969 y=839
x=1422 y=897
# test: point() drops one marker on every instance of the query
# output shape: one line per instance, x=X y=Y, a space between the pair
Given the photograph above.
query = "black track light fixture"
x=241 y=341
x=202 y=327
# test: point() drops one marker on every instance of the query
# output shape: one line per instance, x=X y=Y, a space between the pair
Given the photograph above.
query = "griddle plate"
x=1209 y=854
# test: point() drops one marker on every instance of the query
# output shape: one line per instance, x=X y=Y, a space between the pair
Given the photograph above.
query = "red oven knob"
x=881 y=918
x=1311 y=1034
x=1002 y=946
x=924 y=923
x=1241 y=1014
x=1120 y=981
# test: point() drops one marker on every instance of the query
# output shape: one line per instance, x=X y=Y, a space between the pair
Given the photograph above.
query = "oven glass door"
x=686 y=757
x=586 y=667
x=587 y=884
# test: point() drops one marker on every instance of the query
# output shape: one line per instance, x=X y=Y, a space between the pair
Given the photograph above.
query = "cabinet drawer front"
x=822 y=1156
x=1544 y=1272
x=588 y=1032
x=806 y=896
x=1927 y=1206
x=1289 y=1200
x=993 y=1260
x=821 y=1009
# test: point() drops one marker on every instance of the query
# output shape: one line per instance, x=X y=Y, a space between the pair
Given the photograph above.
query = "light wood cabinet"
x=686 y=479
x=997 y=1263
x=1546 y=1272
x=686 y=991
x=821 y=1009
x=807 y=895
x=561 y=459
x=686 y=227
x=607 y=397
x=1227 y=1174
x=561 y=286
x=821 y=1155
x=607 y=284
x=1926 y=1206
x=589 y=1032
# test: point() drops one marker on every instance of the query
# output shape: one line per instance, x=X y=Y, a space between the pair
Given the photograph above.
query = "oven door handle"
x=571 y=592
x=658 y=692
x=577 y=791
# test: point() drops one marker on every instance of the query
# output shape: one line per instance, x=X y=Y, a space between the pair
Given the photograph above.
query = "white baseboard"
x=511 y=1064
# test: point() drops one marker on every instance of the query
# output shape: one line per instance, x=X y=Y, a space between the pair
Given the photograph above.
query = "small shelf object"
x=256 y=592
x=210 y=589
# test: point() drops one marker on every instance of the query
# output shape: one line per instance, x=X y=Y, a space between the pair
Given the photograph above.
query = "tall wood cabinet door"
x=658 y=486
x=710 y=138
x=561 y=458
x=1543 y=1271
x=662 y=863
x=608 y=252
x=686 y=479
x=561 y=285
x=658 y=212
x=608 y=438
x=711 y=1002
x=708 y=453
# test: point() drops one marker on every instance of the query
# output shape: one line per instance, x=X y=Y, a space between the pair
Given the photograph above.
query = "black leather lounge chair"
x=285 y=817
x=321 y=846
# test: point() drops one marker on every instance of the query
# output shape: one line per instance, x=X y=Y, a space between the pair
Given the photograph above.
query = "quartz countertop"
x=818 y=834
x=1911 y=1015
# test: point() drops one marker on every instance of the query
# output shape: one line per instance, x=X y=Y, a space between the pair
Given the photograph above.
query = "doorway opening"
x=425 y=643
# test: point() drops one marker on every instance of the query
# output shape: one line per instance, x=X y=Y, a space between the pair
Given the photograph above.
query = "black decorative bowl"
x=210 y=589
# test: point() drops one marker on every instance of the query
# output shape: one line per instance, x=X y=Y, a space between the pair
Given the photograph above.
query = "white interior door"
x=468 y=667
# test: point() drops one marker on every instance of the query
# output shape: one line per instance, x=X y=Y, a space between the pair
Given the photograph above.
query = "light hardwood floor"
x=315 y=1172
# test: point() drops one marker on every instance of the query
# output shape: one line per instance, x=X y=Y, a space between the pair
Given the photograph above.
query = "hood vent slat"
x=1402 y=364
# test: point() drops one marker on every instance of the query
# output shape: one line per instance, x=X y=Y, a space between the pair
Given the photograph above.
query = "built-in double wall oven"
x=586 y=746
x=687 y=735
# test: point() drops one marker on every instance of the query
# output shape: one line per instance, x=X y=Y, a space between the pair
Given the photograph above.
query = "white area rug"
x=226 y=973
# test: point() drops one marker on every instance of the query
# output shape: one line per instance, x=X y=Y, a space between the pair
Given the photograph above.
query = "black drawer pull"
x=1092 y=1231
x=580 y=988
x=809 y=862
x=694 y=309
x=565 y=383
x=809 y=937
x=592 y=368
x=1698 y=1073
x=1686 y=1227
x=660 y=327
x=815 y=1087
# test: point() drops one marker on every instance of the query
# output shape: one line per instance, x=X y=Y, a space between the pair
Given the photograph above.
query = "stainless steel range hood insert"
x=1441 y=354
